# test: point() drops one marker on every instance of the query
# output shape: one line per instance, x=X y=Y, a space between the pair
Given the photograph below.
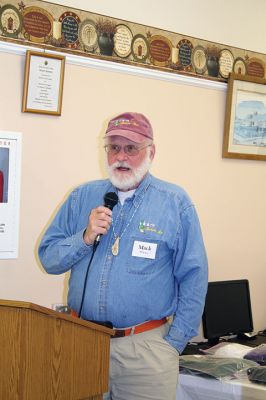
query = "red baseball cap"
x=131 y=125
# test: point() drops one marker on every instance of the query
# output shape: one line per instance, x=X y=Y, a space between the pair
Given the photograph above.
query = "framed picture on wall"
x=10 y=171
x=43 y=83
x=245 y=118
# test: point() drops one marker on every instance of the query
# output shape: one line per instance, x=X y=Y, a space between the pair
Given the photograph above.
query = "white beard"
x=130 y=180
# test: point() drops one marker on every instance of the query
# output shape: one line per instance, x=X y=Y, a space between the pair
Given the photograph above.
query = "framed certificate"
x=43 y=83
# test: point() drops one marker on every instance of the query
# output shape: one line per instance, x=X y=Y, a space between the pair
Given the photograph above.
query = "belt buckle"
x=119 y=333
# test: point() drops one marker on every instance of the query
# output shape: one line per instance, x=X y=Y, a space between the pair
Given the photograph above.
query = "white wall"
x=237 y=23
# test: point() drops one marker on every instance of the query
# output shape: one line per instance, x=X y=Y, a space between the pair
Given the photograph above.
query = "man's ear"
x=152 y=152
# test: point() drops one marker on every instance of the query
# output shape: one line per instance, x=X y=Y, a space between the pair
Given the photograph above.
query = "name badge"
x=144 y=249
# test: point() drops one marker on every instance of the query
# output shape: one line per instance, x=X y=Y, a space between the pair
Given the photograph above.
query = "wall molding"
x=104 y=65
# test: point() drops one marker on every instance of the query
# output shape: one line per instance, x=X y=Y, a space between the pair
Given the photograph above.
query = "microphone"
x=110 y=200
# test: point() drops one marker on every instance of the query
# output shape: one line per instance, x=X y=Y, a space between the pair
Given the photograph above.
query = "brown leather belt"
x=146 y=326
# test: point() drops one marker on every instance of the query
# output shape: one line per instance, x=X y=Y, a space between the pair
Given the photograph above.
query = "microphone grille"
x=110 y=200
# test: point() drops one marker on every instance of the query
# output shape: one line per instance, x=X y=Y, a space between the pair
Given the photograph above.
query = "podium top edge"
x=55 y=314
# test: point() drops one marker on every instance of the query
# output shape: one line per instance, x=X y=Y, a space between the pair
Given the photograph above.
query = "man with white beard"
x=140 y=263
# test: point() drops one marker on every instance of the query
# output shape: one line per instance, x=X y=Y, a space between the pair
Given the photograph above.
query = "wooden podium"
x=47 y=355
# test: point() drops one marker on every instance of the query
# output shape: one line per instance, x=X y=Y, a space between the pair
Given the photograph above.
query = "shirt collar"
x=140 y=191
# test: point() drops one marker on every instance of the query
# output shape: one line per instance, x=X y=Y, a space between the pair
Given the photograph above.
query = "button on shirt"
x=161 y=268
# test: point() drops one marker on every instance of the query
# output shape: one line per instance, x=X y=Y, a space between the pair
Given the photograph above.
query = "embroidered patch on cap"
x=119 y=122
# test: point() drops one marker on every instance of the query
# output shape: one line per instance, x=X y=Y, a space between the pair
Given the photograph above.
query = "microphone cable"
x=110 y=200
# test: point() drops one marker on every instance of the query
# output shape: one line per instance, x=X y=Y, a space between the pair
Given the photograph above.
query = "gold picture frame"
x=43 y=83
x=245 y=118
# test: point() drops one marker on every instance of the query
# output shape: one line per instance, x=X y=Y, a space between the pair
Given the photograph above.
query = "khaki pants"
x=143 y=366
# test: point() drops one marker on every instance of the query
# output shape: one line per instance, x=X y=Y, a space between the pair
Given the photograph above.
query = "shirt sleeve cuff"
x=176 y=339
x=78 y=245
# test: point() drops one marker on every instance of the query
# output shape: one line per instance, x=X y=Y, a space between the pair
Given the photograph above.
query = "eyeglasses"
x=129 y=149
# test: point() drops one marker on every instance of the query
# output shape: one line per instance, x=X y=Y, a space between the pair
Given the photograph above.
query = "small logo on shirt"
x=148 y=227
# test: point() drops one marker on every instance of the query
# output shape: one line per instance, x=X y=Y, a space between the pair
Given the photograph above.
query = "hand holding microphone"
x=100 y=220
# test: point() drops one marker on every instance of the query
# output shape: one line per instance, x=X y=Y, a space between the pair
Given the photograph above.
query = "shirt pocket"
x=143 y=265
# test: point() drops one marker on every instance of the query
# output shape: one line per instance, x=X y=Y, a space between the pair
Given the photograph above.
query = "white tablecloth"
x=198 y=388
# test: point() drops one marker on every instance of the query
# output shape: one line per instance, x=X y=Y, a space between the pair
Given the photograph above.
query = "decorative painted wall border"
x=68 y=30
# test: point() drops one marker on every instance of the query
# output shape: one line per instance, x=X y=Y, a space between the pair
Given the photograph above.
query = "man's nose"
x=122 y=155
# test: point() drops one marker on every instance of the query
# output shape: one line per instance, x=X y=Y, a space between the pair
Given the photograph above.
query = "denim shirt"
x=128 y=289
